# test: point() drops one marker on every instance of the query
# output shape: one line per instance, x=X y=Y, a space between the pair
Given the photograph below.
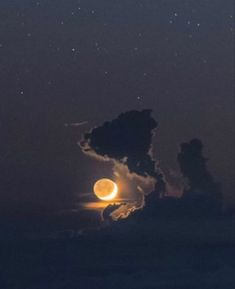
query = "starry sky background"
x=71 y=61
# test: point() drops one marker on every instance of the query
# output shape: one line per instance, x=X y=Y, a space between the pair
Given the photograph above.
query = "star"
x=140 y=98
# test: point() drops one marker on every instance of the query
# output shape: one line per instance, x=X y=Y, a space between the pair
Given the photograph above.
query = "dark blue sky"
x=70 y=61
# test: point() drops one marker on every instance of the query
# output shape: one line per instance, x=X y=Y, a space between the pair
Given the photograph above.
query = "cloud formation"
x=127 y=141
x=202 y=190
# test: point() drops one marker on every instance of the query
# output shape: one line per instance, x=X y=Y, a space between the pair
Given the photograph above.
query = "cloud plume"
x=127 y=141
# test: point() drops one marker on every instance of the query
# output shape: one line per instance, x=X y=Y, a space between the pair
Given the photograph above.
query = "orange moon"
x=105 y=189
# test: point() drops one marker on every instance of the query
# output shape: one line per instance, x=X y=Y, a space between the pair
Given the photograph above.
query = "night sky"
x=139 y=96
x=66 y=62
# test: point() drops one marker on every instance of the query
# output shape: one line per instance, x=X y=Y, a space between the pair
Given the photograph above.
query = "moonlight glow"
x=105 y=189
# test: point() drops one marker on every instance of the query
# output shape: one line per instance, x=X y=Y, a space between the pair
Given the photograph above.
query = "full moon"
x=105 y=189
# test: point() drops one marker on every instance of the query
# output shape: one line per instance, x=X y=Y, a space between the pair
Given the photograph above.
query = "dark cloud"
x=127 y=142
x=126 y=139
x=193 y=166
x=202 y=190
x=201 y=196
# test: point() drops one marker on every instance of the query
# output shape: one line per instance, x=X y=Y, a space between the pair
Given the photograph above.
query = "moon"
x=105 y=189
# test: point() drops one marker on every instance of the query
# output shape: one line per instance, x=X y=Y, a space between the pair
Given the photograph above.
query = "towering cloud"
x=202 y=190
x=127 y=142
x=126 y=139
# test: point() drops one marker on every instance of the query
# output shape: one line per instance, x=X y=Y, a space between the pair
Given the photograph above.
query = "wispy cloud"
x=75 y=124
